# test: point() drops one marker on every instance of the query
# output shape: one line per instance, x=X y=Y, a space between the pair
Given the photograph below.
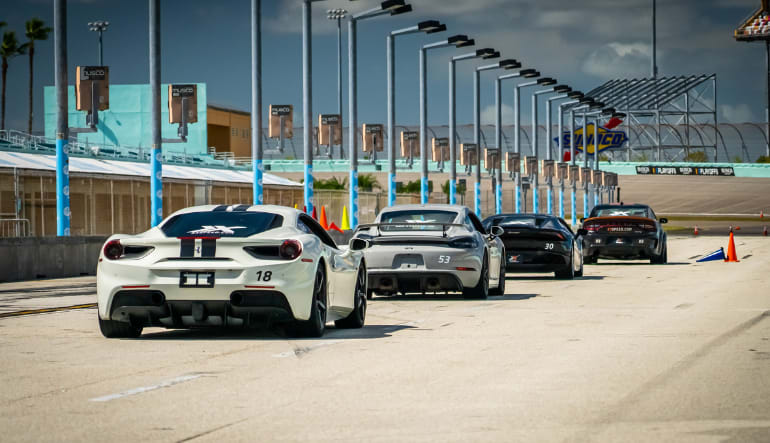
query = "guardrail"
x=15 y=227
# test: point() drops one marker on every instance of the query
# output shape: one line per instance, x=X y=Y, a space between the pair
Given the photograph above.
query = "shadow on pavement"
x=276 y=333
x=513 y=297
x=637 y=263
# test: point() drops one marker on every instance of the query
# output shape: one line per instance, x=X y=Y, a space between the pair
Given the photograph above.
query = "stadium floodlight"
x=428 y=27
x=575 y=95
x=530 y=73
x=458 y=41
x=99 y=26
x=608 y=112
x=509 y=63
x=392 y=7
x=485 y=54
x=561 y=89
x=596 y=105
x=546 y=81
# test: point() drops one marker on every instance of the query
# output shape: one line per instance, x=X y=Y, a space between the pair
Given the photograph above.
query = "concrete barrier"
x=32 y=258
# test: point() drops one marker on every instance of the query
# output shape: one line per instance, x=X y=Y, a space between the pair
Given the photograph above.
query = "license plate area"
x=408 y=261
x=195 y=279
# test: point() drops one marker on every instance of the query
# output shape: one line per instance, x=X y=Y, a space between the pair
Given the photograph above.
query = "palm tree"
x=10 y=48
x=35 y=30
x=367 y=182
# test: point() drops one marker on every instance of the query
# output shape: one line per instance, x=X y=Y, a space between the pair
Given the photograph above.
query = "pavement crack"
x=218 y=428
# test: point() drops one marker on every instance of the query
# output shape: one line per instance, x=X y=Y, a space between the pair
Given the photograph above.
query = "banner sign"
x=607 y=139
x=685 y=170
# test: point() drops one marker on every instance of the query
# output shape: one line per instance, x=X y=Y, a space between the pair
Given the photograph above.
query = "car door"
x=494 y=246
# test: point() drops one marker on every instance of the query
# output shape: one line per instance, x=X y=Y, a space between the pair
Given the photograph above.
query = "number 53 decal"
x=444 y=258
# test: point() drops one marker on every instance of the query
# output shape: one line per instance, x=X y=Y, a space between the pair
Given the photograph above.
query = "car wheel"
x=118 y=329
x=356 y=318
x=590 y=260
x=500 y=289
x=567 y=274
x=369 y=294
x=662 y=258
x=316 y=324
x=481 y=290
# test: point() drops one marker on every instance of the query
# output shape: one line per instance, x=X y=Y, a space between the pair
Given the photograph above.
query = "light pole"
x=587 y=188
x=606 y=112
x=517 y=134
x=428 y=27
x=574 y=96
x=62 y=119
x=338 y=15
x=392 y=7
x=156 y=159
x=546 y=81
x=100 y=27
x=256 y=101
x=458 y=41
x=524 y=73
x=503 y=64
x=583 y=102
x=486 y=53
x=559 y=89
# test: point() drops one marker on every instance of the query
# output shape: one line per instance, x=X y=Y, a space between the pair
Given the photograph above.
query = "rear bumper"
x=535 y=261
x=391 y=282
x=243 y=308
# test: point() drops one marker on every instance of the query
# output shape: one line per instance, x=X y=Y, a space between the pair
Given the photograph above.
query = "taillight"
x=591 y=228
x=290 y=249
x=113 y=250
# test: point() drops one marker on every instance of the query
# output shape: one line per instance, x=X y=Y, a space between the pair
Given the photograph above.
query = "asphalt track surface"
x=631 y=352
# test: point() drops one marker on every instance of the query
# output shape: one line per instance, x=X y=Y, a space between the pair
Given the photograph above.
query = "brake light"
x=113 y=250
x=290 y=249
x=591 y=227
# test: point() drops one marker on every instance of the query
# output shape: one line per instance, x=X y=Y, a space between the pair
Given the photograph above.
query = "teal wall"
x=127 y=122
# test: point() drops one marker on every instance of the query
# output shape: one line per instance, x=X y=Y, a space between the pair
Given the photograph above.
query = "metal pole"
x=62 y=119
x=517 y=146
x=452 y=144
x=560 y=159
x=307 y=103
x=548 y=155
x=391 y=61
x=156 y=159
x=535 y=196
x=597 y=188
x=352 y=123
x=256 y=101
x=498 y=145
x=101 y=53
x=767 y=90
x=585 y=165
x=339 y=85
x=423 y=129
x=573 y=153
x=477 y=141
x=654 y=42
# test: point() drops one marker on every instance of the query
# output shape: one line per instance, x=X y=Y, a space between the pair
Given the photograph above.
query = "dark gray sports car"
x=626 y=232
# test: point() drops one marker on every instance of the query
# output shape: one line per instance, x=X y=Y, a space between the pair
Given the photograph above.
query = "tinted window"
x=522 y=221
x=621 y=211
x=417 y=219
x=221 y=224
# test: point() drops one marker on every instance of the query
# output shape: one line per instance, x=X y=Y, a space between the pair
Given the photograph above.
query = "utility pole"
x=256 y=101
x=156 y=159
x=654 y=41
x=62 y=119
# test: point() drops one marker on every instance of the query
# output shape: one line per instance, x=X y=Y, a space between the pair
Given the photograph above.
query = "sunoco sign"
x=607 y=139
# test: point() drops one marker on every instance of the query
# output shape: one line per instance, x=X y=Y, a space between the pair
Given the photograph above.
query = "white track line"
x=143 y=389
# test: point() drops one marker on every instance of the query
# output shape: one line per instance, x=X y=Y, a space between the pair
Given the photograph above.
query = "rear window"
x=521 y=221
x=221 y=224
x=417 y=219
x=621 y=211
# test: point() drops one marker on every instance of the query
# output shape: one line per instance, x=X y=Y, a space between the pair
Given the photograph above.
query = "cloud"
x=736 y=114
x=619 y=60
x=488 y=115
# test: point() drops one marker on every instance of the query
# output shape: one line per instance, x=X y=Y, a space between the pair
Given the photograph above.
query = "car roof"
x=633 y=205
x=428 y=206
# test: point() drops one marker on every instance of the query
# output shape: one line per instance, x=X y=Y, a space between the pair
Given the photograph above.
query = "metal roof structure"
x=671 y=116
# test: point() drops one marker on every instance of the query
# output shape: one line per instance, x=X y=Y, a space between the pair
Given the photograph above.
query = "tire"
x=316 y=324
x=481 y=290
x=567 y=274
x=118 y=329
x=662 y=258
x=500 y=289
x=369 y=294
x=579 y=273
x=356 y=318
x=590 y=260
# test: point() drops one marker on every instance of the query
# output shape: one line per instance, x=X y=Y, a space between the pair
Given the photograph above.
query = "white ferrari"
x=236 y=265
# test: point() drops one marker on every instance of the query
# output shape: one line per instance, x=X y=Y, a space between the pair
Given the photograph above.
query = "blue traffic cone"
x=719 y=254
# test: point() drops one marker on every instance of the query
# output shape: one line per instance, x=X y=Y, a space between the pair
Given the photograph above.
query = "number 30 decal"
x=444 y=258
x=549 y=246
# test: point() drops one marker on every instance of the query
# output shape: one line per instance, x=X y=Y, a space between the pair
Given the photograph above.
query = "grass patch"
x=675 y=228
x=726 y=218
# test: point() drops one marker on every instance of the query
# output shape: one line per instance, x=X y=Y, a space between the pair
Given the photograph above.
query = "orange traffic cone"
x=695 y=232
x=764 y=231
x=324 y=223
x=731 y=255
x=333 y=227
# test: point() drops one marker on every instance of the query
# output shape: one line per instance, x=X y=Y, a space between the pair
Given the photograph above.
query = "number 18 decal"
x=444 y=258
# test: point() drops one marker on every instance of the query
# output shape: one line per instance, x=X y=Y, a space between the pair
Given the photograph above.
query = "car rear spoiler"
x=444 y=226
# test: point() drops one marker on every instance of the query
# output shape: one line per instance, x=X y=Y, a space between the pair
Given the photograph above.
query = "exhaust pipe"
x=386 y=283
x=432 y=284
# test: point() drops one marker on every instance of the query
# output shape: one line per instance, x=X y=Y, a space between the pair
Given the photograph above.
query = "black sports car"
x=627 y=232
x=539 y=243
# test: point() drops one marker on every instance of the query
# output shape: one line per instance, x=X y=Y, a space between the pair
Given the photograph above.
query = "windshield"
x=221 y=224
x=521 y=221
x=417 y=219
x=621 y=211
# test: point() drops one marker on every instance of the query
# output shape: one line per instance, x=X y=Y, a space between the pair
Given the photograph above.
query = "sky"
x=582 y=43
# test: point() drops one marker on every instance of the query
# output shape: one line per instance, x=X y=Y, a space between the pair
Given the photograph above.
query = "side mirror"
x=663 y=220
x=497 y=231
x=358 y=244
x=582 y=220
x=582 y=232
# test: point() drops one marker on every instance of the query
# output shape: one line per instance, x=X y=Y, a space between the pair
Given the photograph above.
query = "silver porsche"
x=430 y=249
